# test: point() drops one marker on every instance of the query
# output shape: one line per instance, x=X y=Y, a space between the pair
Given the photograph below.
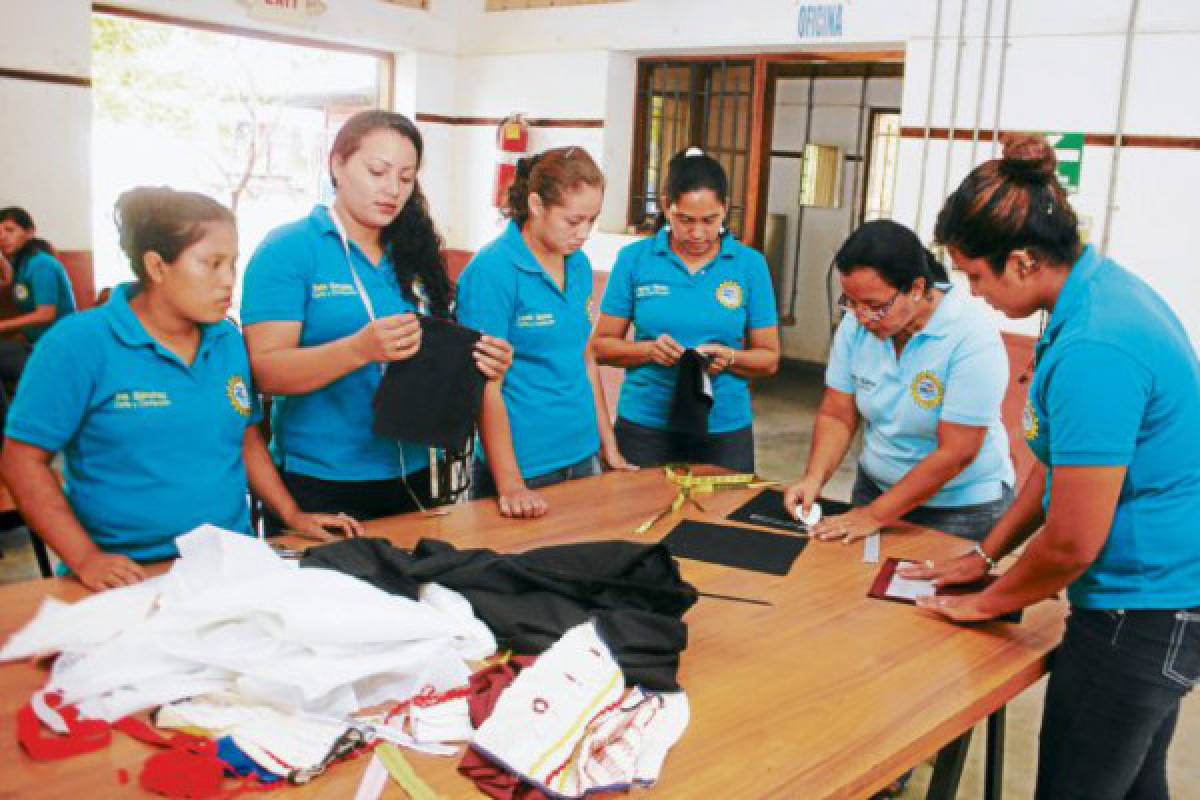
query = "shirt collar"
x=322 y=221
x=662 y=244
x=130 y=330
x=523 y=257
x=947 y=313
x=1073 y=291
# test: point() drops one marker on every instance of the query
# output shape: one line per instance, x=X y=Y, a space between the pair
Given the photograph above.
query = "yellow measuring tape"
x=691 y=485
x=403 y=774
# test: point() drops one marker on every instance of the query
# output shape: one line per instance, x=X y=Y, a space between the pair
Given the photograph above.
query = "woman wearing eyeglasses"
x=926 y=373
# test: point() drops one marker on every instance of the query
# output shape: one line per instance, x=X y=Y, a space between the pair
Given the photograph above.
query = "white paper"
x=909 y=588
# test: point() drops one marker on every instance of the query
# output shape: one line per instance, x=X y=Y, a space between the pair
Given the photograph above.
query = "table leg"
x=993 y=782
x=947 y=769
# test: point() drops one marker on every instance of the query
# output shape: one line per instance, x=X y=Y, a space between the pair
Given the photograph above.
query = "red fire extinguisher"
x=512 y=142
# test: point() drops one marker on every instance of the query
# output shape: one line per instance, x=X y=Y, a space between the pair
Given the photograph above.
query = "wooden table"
x=824 y=693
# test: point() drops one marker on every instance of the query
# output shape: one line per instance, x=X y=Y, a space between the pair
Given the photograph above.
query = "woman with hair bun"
x=926 y=374
x=533 y=286
x=150 y=399
x=328 y=301
x=1110 y=513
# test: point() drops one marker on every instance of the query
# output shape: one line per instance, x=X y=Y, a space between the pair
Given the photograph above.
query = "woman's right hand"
x=665 y=351
x=393 y=338
x=967 y=568
x=799 y=497
x=521 y=502
x=101 y=570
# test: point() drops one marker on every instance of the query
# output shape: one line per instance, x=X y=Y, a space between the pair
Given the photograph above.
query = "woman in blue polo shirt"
x=926 y=373
x=1110 y=514
x=150 y=400
x=533 y=286
x=330 y=299
x=692 y=285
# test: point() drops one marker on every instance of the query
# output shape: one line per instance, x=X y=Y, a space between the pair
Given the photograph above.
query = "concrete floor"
x=784 y=408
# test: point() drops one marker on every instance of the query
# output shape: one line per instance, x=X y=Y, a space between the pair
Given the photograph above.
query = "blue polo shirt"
x=299 y=274
x=41 y=280
x=504 y=292
x=1117 y=383
x=955 y=369
x=152 y=446
x=718 y=303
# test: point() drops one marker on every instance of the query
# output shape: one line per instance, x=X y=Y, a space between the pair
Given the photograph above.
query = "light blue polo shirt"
x=299 y=273
x=504 y=292
x=152 y=446
x=1117 y=383
x=955 y=369
x=41 y=280
x=718 y=303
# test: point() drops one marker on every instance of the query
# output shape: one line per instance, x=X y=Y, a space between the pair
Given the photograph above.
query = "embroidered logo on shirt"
x=138 y=398
x=21 y=292
x=535 y=319
x=729 y=294
x=590 y=308
x=927 y=389
x=239 y=395
x=332 y=289
x=652 y=290
x=1029 y=421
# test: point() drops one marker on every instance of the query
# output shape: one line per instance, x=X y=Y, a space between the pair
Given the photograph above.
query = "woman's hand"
x=102 y=570
x=966 y=568
x=720 y=357
x=665 y=351
x=799 y=497
x=493 y=357
x=521 y=502
x=393 y=338
x=323 y=527
x=957 y=607
x=855 y=524
x=611 y=455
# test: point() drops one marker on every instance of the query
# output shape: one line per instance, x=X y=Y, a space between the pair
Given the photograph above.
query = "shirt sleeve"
x=1095 y=399
x=618 y=293
x=837 y=373
x=44 y=286
x=277 y=281
x=976 y=380
x=487 y=297
x=761 y=312
x=55 y=390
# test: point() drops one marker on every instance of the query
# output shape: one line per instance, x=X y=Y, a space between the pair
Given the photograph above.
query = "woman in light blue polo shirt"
x=691 y=285
x=926 y=373
x=533 y=286
x=1111 y=512
x=150 y=400
x=330 y=299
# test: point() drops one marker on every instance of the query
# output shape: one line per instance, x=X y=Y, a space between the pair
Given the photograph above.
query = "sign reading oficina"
x=293 y=11
x=819 y=21
x=1068 y=148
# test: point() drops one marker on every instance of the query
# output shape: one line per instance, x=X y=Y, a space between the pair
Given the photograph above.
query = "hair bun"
x=1028 y=158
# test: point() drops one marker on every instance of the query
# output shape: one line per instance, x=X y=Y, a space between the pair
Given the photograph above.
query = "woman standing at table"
x=1114 y=418
x=926 y=373
x=328 y=301
x=150 y=400
x=533 y=286
x=692 y=285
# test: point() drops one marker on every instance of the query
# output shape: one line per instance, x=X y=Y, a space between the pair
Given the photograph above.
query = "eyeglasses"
x=865 y=312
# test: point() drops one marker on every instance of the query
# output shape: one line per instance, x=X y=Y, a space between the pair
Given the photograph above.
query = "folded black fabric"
x=633 y=591
x=434 y=397
x=766 y=509
x=693 y=397
x=731 y=546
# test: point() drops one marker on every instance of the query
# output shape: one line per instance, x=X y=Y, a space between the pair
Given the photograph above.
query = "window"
x=879 y=191
x=691 y=103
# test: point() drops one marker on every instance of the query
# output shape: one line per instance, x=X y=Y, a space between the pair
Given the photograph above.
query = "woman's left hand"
x=858 y=523
x=493 y=357
x=720 y=357
x=324 y=527
x=611 y=455
x=956 y=607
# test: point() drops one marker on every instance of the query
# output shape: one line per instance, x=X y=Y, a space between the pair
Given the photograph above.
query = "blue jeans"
x=970 y=522
x=651 y=447
x=483 y=486
x=1112 y=702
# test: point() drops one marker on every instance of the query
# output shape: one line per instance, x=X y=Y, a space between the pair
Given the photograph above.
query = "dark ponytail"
x=32 y=246
x=549 y=175
x=894 y=252
x=692 y=170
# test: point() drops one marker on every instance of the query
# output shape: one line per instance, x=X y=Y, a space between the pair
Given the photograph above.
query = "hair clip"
x=692 y=152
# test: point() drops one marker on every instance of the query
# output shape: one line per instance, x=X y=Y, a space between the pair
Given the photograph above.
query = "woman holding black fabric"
x=328 y=301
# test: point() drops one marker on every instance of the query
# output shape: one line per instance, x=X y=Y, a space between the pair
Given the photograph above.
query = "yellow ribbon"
x=690 y=484
x=402 y=773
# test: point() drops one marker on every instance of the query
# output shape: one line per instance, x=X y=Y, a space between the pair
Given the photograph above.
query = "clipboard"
x=887 y=585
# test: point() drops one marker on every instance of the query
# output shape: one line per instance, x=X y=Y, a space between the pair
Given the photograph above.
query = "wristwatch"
x=977 y=549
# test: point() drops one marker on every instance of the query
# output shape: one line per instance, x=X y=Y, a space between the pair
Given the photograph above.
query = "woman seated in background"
x=532 y=286
x=692 y=285
x=151 y=402
x=926 y=372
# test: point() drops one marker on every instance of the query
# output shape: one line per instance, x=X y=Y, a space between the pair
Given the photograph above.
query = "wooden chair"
x=11 y=518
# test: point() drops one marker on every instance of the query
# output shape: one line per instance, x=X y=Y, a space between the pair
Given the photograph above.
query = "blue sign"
x=819 y=21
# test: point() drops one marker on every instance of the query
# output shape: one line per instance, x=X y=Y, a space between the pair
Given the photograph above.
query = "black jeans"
x=970 y=522
x=483 y=486
x=1112 y=702
x=363 y=500
x=651 y=447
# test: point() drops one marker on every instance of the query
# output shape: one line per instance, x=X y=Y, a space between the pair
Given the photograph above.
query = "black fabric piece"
x=434 y=397
x=693 y=397
x=766 y=509
x=633 y=591
x=743 y=548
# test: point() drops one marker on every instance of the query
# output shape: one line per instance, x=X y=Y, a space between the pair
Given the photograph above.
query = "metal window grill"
x=684 y=103
x=881 y=164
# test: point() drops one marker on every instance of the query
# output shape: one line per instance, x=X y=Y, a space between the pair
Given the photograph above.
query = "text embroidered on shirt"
x=332 y=289
x=535 y=319
x=652 y=290
x=139 y=398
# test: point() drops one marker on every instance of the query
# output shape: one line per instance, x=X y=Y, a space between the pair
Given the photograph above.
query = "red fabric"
x=83 y=736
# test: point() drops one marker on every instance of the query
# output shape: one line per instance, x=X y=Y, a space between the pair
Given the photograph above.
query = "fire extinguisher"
x=512 y=142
